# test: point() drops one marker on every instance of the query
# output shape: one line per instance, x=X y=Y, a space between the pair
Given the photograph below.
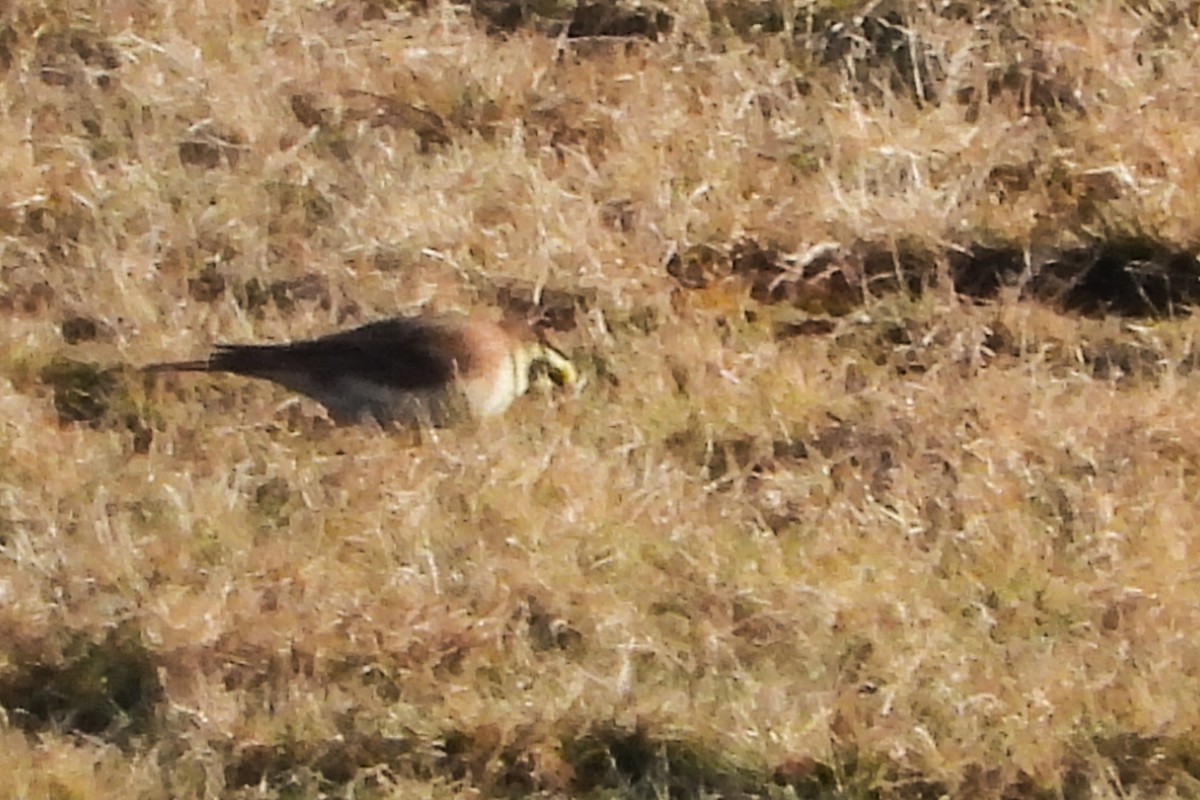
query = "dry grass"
x=882 y=484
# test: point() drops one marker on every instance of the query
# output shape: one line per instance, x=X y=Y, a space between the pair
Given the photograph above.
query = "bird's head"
x=545 y=360
x=537 y=361
x=542 y=364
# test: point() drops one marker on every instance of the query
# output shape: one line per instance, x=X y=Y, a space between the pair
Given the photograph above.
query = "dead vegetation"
x=881 y=485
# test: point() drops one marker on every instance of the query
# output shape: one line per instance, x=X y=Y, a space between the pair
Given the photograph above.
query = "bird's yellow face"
x=558 y=367
x=544 y=362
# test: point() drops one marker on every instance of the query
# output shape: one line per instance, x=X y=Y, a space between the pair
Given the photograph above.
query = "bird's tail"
x=198 y=365
x=240 y=359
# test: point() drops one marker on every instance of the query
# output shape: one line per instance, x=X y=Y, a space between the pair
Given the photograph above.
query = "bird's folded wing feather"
x=400 y=353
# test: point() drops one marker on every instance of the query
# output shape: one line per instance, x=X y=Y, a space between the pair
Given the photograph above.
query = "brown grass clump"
x=882 y=484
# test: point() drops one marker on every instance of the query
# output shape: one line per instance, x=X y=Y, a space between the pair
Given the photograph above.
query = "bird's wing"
x=406 y=354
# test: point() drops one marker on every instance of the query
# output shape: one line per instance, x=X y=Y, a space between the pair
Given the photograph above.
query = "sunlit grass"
x=817 y=525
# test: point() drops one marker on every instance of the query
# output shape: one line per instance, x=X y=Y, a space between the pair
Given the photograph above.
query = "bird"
x=437 y=369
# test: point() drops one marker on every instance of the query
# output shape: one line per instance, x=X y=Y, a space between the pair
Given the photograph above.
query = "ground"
x=880 y=484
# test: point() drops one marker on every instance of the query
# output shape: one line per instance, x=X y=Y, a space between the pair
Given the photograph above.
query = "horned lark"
x=436 y=369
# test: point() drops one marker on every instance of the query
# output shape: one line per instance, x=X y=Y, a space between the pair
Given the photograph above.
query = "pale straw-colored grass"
x=941 y=547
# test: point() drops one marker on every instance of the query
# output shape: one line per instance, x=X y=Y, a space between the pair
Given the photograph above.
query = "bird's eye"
x=541 y=374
